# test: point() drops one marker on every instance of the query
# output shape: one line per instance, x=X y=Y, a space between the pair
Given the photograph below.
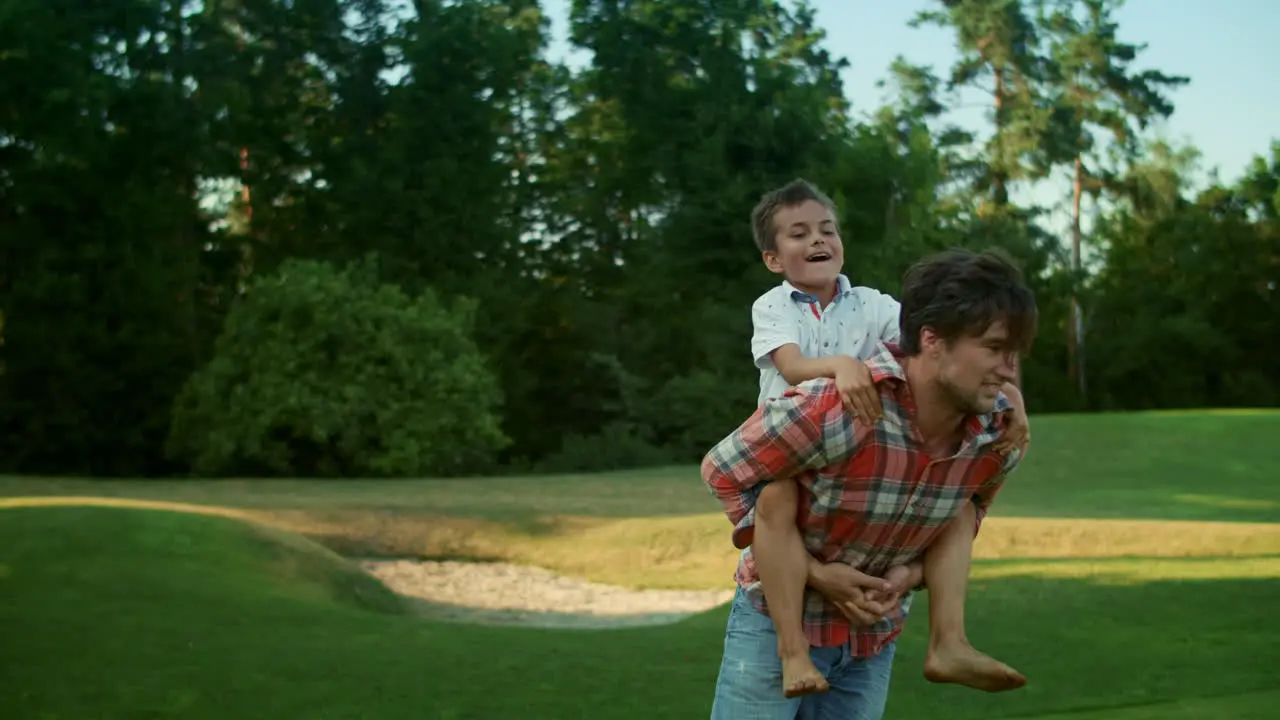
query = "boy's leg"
x=951 y=659
x=782 y=563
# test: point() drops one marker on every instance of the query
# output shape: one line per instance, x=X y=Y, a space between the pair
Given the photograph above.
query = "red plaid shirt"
x=870 y=496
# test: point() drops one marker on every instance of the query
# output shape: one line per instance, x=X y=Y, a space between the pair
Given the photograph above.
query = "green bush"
x=326 y=372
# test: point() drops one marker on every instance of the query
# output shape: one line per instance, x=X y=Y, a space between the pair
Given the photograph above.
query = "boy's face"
x=809 y=252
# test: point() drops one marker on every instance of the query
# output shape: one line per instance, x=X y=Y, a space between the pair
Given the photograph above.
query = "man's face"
x=809 y=252
x=972 y=369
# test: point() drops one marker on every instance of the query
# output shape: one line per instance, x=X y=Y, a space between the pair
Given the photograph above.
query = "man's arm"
x=986 y=493
x=783 y=437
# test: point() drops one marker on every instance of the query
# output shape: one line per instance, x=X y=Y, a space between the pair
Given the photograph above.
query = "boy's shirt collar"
x=843 y=287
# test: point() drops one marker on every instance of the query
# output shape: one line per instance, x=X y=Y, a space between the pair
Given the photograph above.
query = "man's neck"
x=939 y=423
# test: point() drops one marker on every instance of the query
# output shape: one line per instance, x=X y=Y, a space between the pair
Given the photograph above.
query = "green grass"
x=189 y=616
x=1161 y=466
x=120 y=612
x=1085 y=478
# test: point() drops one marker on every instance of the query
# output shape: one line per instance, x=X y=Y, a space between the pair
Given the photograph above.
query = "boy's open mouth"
x=818 y=257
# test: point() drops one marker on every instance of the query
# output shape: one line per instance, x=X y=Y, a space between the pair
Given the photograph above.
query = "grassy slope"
x=130 y=613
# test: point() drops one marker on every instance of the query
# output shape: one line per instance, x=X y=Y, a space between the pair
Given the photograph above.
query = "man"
x=874 y=497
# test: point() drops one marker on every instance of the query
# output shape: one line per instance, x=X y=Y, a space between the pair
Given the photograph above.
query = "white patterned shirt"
x=854 y=324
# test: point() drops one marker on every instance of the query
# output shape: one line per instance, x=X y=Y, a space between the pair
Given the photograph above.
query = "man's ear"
x=930 y=342
x=772 y=261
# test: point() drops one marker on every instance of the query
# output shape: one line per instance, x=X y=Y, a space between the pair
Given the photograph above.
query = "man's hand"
x=857 y=391
x=846 y=588
x=901 y=578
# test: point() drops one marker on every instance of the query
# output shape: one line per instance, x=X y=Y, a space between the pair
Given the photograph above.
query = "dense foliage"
x=168 y=169
x=331 y=373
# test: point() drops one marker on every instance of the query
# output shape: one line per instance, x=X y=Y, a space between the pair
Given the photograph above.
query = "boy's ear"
x=772 y=261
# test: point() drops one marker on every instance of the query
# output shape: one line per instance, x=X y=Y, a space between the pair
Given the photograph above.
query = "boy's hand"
x=1017 y=432
x=857 y=391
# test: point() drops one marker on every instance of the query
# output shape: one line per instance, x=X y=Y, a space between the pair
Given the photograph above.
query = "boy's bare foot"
x=959 y=663
x=800 y=677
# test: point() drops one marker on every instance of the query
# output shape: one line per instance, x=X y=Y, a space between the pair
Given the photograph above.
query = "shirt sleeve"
x=771 y=328
x=986 y=493
x=888 y=312
x=785 y=436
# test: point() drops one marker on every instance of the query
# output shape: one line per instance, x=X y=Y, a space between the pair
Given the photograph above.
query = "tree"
x=100 y=146
x=1094 y=87
x=998 y=46
x=327 y=372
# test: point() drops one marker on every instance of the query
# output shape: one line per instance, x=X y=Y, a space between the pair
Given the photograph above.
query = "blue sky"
x=1230 y=110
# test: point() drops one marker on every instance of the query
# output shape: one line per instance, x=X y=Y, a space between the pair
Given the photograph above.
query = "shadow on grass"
x=1086 y=645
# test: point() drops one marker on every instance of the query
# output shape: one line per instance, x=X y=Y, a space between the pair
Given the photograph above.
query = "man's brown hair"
x=794 y=193
x=961 y=293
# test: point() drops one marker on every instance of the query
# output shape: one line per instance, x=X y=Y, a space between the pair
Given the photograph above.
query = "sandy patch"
x=501 y=593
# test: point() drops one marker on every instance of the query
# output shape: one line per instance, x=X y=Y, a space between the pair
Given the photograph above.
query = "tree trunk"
x=999 y=175
x=1075 y=326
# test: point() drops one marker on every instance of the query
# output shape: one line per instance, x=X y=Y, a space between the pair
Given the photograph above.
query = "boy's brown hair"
x=793 y=193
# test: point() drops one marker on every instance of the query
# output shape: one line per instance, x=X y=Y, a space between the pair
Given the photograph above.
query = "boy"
x=815 y=324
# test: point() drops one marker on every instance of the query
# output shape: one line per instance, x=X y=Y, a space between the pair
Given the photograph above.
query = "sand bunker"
x=500 y=593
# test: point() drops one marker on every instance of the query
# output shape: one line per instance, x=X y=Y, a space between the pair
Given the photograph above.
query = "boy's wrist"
x=815 y=577
x=840 y=363
x=917 y=575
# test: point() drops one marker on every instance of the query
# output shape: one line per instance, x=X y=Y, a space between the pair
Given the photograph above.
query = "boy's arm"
x=853 y=379
x=775 y=341
x=1017 y=429
x=783 y=437
x=797 y=368
x=772 y=327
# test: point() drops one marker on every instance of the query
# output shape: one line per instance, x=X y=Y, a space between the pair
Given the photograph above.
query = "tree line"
x=369 y=237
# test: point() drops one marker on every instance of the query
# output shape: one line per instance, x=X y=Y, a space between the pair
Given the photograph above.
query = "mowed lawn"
x=1132 y=570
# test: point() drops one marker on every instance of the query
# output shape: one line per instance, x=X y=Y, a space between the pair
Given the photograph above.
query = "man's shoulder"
x=815 y=398
x=885 y=364
x=812 y=389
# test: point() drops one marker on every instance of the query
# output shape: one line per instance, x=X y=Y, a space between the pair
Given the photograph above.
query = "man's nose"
x=1008 y=369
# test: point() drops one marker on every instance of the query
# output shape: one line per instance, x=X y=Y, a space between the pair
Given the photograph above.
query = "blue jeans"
x=750 y=682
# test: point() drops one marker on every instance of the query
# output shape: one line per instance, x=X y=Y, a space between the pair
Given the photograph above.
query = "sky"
x=1230 y=110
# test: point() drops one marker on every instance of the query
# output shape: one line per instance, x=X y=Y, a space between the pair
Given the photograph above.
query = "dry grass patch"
x=1130 y=571
x=693 y=552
